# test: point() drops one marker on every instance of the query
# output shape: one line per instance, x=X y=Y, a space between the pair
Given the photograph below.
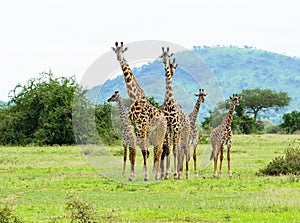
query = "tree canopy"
x=256 y=100
x=291 y=122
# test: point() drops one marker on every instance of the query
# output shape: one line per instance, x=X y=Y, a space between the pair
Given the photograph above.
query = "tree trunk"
x=255 y=115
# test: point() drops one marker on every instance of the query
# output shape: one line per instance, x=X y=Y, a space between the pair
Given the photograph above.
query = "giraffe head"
x=173 y=66
x=235 y=99
x=114 y=97
x=165 y=55
x=201 y=95
x=119 y=50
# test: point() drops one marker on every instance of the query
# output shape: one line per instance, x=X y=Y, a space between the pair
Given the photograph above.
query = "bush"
x=7 y=215
x=291 y=122
x=39 y=112
x=290 y=164
x=80 y=210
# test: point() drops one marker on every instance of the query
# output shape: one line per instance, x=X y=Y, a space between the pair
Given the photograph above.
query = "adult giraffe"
x=178 y=122
x=145 y=118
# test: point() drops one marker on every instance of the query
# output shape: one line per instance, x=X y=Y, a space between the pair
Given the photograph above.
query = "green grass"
x=38 y=180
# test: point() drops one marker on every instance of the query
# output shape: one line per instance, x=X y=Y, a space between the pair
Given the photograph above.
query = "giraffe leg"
x=195 y=160
x=187 y=159
x=145 y=169
x=132 y=155
x=186 y=149
x=180 y=159
x=157 y=161
x=162 y=163
x=181 y=155
x=221 y=157
x=228 y=158
x=144 y=149
x=176 y=154
x=124 y=158
x=167 y=148
x=215 y=166
x=215 y=156
x=154 y=158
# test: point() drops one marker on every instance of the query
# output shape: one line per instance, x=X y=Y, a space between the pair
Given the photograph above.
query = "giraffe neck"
x=122 y=112
x=229 y=116
x=194 y=113
x=169 y=84
x=133 y=88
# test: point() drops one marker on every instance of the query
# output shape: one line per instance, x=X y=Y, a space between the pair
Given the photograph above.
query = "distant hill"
x=233 y=69
x=2 y=102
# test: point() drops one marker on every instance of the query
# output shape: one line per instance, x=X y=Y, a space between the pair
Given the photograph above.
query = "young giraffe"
x=145 y=118
x=178 y=122
x=128 y=136
x=222 y=135
x=193 y=127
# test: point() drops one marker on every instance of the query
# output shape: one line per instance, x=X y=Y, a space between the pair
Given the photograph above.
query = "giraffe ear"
x=126 y=48
x=240 y=97
x=230 y=97
x=171 y=54
x=114 y=49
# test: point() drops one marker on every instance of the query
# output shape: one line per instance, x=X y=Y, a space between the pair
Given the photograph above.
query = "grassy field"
x=36 y=182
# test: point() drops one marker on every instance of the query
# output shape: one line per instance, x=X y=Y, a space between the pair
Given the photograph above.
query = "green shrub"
x=7 y=215
x=289 y=164
x=80 y=210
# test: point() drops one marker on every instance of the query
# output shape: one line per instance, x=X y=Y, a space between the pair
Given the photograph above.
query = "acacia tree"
x=256 y=100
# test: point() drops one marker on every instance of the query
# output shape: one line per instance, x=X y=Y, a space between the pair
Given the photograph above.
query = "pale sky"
x=68 y=36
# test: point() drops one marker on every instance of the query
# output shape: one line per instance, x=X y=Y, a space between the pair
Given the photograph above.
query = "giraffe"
x=128 y=136
x=178 y=122
x=222 y=135
x=193 y=128
x=147 y=120
x=134 y=90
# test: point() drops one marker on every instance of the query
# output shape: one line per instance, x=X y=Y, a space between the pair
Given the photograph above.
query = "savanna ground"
x=37 y=181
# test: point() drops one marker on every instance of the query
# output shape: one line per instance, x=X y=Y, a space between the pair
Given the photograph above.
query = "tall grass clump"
x=283 y=165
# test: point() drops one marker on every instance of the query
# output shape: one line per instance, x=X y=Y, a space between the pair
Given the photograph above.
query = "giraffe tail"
x=211 y=155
